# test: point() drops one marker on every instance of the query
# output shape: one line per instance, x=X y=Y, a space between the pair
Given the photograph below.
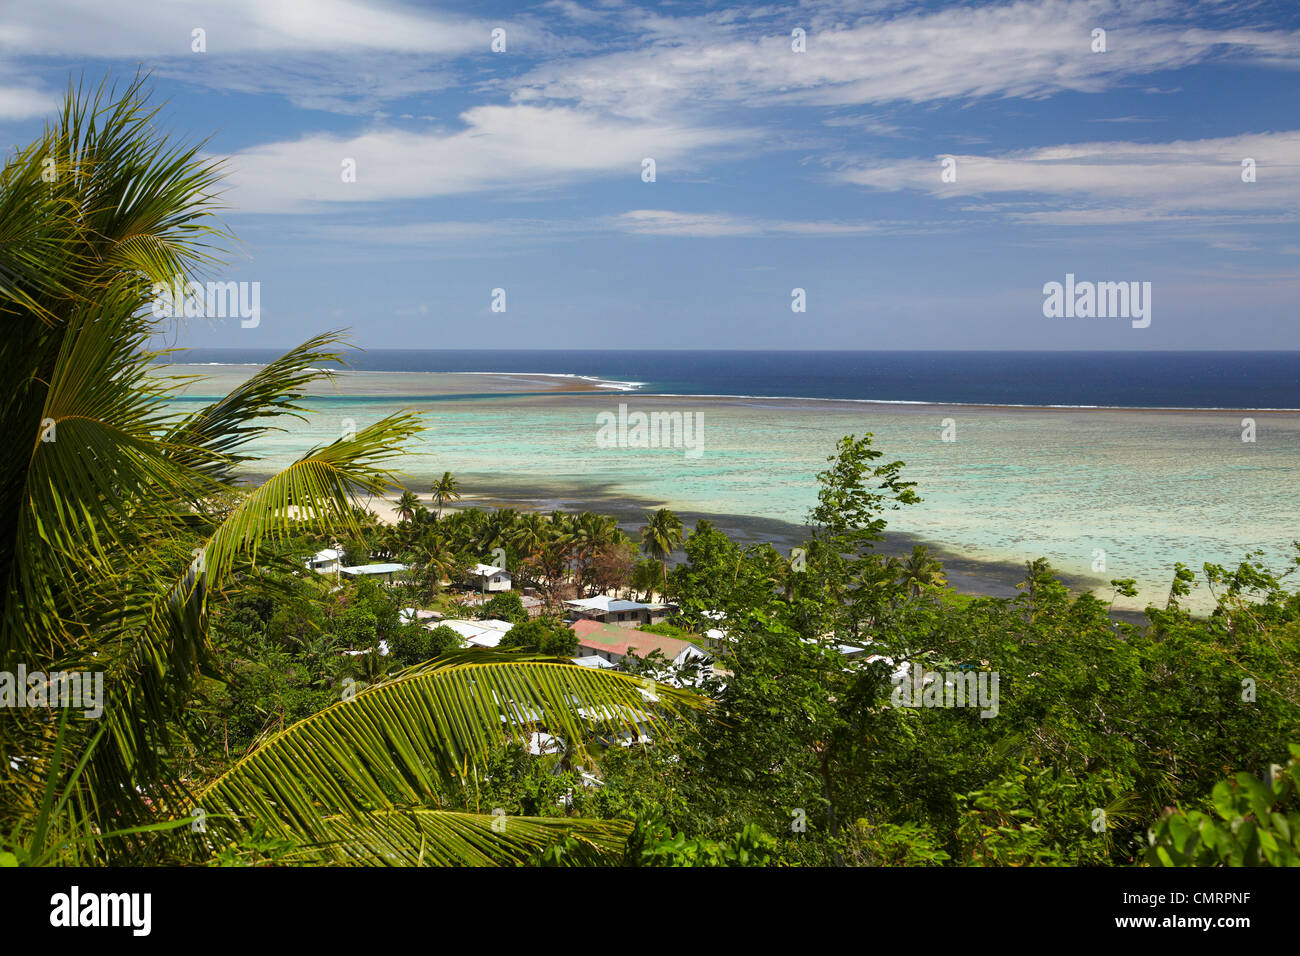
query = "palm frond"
x=414 y=740
x=208 y=438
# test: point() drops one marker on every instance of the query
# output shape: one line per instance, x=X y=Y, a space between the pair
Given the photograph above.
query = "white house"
x=325 y=562
x=489 y=578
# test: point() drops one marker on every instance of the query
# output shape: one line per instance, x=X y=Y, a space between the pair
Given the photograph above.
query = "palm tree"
x=435 y=562
x=661 y=536
x=445 y=489
x=498 y=529
x=123 y=521
x=406 y=506
x=591 y=532
x=921 y=571
x=529 y=534
x=645 y=575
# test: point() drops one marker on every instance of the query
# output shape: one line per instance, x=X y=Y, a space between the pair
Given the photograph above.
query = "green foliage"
x=137 y=548
x=1253 y=824
x=1036 y=818
x=523 y=784
x=854 y=492
x=661 y=536
x=506 y=606
x=356 y=628
x=383 y=776
x=647 y=574
x=666 y=630
x=890 y=844
x=256 y=847
x=653 y=844
x=542 y=635
x=414 y=643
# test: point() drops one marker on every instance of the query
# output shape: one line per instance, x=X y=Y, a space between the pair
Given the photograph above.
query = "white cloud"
x=1021 y=49
x=120 y=28
x=637 y=222
x=18 y=102
x=663 y=222
x=521 y=148
x=345 y=56
x=1108 y=183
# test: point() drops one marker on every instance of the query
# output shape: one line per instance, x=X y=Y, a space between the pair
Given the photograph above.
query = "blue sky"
x=775 y=169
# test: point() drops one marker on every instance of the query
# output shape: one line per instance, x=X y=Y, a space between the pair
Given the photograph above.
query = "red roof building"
x=613 y=642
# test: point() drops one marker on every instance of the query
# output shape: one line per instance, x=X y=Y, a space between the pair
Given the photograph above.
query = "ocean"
x=1246 y=380
x=1110 y=466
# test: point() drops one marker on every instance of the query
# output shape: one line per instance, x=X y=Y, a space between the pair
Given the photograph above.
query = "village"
x=606 y=628
x=610 y=631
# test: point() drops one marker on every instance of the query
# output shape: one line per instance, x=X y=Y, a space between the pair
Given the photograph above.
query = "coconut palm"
x=498 y=529
x=124 y=521
x=661 y=536
x=445 y=489
x=591 y=532
x=529 y=534
x=406 y=506
x=645 y=576
x=435 y=562
x=921 y=571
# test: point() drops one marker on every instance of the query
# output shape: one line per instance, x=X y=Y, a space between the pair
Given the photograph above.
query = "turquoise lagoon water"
x=1145 y=487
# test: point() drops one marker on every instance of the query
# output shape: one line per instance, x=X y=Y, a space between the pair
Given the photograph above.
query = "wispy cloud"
x=517 y=148
x=345 y=56
x=20 y=102
x=1107 y=183
x=115 y=28
x=663 y=222
x=1022 y=49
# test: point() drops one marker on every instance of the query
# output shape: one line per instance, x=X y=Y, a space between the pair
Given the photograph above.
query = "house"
x=486 y=633
x=410 y=615
x=607 y=610
x=383 y=573
x=485 y=577
x=612 y=643
x=325 y=562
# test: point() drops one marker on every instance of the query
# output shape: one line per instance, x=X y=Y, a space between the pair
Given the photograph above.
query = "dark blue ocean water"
x=1246 y=380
